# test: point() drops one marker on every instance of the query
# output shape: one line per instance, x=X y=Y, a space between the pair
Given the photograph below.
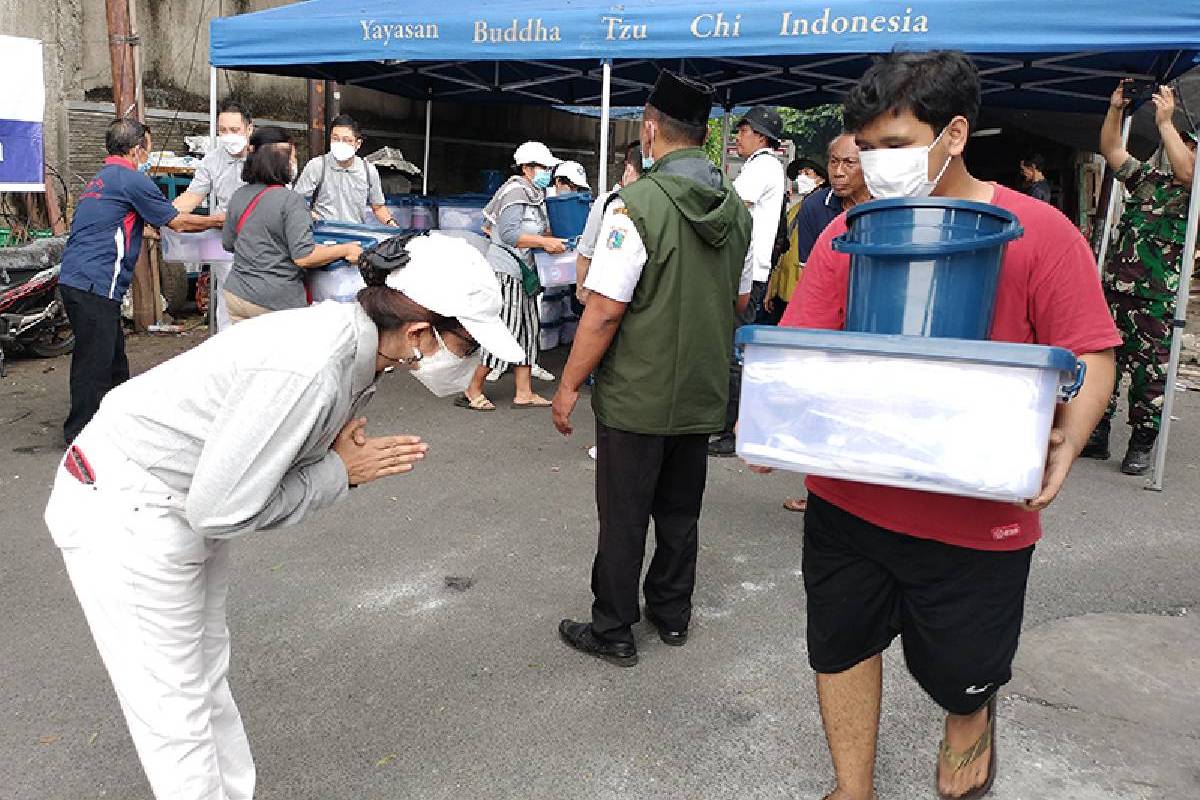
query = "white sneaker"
x=494 y=375
x=541 y=374
x=592 y=452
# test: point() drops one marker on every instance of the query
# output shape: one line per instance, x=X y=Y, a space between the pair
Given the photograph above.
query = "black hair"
x=345 y=121
x=231 y=106
x=1035 y=160
x=936 y=87
x=633 y=157
x=123 y=135
x=267 y=162
x=675 y=130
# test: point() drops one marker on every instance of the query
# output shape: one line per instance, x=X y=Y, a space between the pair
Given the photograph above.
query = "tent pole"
x=1181 y=309
x=1114 y=198
x=212 y=108
x=725 y=140
x=605 y=107
x=428 y=130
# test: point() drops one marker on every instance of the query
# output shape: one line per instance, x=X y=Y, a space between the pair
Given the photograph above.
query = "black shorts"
x=957 y=611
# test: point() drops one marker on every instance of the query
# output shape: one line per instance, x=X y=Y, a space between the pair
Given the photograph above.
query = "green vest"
x=667 y=369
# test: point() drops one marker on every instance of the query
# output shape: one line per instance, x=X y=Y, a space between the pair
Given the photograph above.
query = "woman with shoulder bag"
x=268 y=229
x=517 y=223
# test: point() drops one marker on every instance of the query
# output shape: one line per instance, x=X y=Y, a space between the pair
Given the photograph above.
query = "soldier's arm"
x=1183 y=160
x=1111 y=147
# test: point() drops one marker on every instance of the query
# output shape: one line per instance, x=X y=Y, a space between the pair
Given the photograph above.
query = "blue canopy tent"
x=1032 y=55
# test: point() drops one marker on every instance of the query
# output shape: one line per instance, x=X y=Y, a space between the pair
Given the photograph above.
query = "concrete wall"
x=174 y=57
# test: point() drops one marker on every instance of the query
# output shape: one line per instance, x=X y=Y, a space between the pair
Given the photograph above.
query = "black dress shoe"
x=580 y=636
x=1140 y=454
x=671 y=637
x=723 y=446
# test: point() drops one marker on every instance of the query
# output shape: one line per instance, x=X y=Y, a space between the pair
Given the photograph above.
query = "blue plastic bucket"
x=925 y=266
x=568 y=213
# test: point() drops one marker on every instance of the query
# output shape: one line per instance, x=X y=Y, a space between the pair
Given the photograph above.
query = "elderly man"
x=97 y=265
x=1141 y=277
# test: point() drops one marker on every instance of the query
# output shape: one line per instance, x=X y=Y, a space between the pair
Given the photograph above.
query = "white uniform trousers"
x=154 y=596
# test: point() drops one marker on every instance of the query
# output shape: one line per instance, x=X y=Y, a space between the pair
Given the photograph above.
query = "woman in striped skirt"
x=517 y=222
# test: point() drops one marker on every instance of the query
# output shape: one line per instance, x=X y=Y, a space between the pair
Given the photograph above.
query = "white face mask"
x=233 y=143
x=342 y=151
x=901 y=171
x=805 y=184
x=443 y=373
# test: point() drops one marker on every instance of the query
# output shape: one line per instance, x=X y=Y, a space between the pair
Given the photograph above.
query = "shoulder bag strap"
x=250 y=207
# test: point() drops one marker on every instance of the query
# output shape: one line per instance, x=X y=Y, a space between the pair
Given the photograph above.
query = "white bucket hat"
x=535 y=153
x=450 y=277
x=574 y=172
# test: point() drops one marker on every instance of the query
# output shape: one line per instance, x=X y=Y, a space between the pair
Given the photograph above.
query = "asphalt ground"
x=362 y=674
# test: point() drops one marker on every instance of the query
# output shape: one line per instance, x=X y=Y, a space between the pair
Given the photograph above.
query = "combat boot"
x=1140 y=454
x=1097 y=443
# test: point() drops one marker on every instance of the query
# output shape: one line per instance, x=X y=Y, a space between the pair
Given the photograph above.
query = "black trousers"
x=755 y=315
x=638 y=478
x=98 y=362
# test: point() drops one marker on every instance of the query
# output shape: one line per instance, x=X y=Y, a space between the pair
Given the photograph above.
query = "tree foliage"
x=810 y=129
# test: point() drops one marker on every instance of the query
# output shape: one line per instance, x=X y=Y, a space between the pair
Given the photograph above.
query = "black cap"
x=764 y=120
x=681 y=98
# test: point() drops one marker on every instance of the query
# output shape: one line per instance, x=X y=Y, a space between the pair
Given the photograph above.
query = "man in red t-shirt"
x=947 y=574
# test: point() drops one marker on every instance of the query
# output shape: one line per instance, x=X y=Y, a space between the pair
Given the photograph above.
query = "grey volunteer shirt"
x=345 y=192
x=276 y=232
x=239 y=429
x=217 y=178
x=517 y=207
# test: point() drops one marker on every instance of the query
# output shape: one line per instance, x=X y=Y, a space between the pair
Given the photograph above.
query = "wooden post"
x=333 y=101
x=316 y=118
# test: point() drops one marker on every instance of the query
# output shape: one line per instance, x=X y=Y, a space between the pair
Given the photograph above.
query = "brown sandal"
x=964 y=759
x=796 y=504
x=477 y=403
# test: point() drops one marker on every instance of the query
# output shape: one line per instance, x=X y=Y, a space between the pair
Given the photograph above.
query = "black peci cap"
x=684 y=99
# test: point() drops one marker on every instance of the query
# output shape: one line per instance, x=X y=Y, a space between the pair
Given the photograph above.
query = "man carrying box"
x=947 y=574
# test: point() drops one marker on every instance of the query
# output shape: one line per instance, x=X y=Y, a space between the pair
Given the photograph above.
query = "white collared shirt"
x=760 y=185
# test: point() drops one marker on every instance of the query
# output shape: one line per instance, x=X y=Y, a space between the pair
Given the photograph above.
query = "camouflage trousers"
x=1145 y=327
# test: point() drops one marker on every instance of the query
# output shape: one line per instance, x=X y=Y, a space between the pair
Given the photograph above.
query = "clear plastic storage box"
x=556 y=270
x=204 y=247
x=954 y=416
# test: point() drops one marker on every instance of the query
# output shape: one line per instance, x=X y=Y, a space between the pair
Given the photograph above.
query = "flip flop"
x=532 y=404
x=959 y=761
x=796 y=504
x=480 y=403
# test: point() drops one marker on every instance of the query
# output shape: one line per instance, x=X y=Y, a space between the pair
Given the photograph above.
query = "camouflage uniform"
x=1141 y=279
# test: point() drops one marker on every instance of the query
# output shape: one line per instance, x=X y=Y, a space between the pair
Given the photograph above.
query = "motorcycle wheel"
x=55 y=339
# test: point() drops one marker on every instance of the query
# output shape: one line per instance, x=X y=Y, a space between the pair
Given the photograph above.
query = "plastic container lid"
x=1005 y=354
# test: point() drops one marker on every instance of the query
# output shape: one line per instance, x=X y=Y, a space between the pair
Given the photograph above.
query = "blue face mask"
x=647 y=162
x=541 y=179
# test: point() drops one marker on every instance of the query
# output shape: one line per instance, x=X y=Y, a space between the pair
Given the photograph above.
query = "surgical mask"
x=541 y=178
x=233 y=143
x=443 y=373
x=342 y=151
x=901 y=171
x=804 y=184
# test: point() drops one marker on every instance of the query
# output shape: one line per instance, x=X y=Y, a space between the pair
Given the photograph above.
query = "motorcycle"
x=32 y=316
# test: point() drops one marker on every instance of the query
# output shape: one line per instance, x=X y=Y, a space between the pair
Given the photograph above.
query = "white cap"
x=535 y=153
x=450 y=277
x=573 y=171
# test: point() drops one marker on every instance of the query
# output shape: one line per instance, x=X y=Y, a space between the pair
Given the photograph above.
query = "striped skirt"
x=520 y=314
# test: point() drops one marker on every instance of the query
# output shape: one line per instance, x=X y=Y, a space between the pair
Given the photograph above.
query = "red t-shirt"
x=1049 y=293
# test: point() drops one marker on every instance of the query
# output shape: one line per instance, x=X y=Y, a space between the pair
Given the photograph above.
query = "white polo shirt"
x=760 y=185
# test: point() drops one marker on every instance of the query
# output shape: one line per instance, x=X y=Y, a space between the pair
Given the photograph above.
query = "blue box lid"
x=974 y=351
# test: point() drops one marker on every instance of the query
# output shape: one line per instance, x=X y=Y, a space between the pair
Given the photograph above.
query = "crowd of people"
x=260 y=426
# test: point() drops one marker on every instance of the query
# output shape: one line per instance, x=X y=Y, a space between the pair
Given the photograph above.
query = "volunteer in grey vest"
x=255 y=429
x=217 y=178
x=269 y=231
x=339 y=185
x=516 y=223
x=666 y=281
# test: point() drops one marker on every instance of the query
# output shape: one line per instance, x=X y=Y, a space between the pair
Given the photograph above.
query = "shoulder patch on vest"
x=621 y=210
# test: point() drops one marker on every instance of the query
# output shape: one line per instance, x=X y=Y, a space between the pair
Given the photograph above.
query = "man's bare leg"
x=962 y=732
x=850 y=703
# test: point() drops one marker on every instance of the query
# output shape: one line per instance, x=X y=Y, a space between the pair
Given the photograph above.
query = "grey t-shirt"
x=217 y=178
x=515 y=209
x=276 y=232
x=345 y=192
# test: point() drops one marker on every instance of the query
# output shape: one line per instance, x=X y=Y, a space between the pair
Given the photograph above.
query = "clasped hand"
x=368 y=458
